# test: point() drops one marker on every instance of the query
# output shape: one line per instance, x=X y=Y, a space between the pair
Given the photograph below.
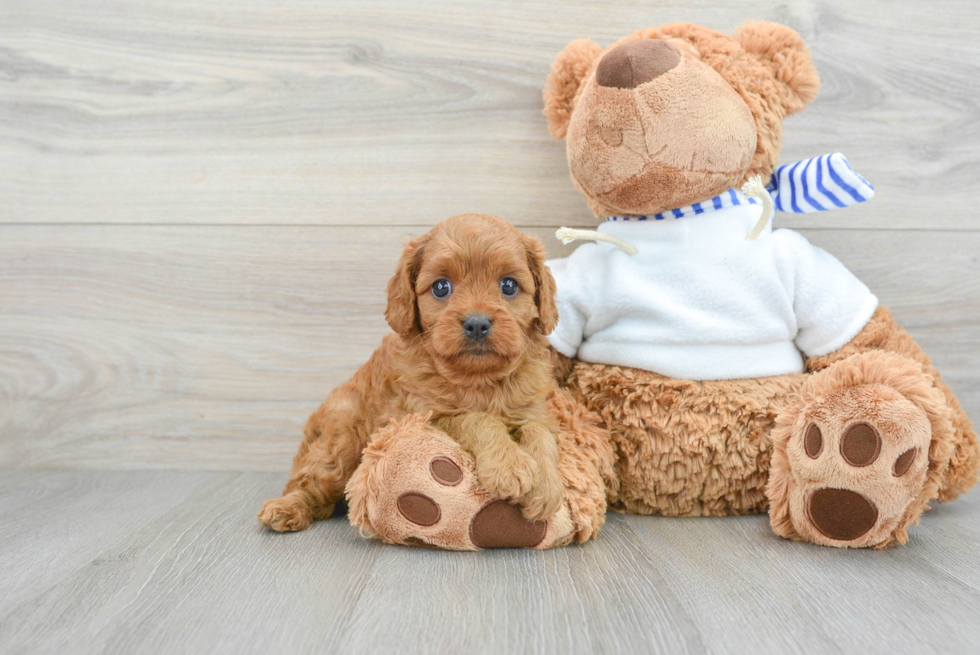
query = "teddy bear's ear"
x=567 y=74
x=784 y=52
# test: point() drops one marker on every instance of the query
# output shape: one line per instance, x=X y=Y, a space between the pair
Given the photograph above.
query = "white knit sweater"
x=699 y=302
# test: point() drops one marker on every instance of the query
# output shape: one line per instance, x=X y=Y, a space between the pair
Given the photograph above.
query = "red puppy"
x=470 y=303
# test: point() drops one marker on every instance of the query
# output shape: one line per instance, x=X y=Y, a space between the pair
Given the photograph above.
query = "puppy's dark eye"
x=509 y=287
x=442 y=288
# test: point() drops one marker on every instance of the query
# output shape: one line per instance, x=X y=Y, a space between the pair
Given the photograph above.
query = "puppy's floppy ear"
x=544 y=285
x=402 y=312
x=567 y=74
x=786 y=54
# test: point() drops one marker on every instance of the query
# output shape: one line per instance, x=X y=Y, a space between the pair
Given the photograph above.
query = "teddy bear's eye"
x=441 y=288
x=509 y=287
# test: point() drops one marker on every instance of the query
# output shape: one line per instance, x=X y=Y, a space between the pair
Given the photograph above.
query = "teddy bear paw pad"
x=501 y=525
x=841 y=514
x=494 y=524
x=857 y=466
x=419 y=509
x=445 y=471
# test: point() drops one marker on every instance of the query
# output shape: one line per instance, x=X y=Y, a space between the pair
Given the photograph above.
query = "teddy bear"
x=738 y=370
x=721 y=366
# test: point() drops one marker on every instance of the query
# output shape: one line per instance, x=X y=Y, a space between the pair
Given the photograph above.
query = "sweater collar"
x=707 y=225
x=726 y=200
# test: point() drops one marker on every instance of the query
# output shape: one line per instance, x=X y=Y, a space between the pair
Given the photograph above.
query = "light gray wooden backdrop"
x=200 y=204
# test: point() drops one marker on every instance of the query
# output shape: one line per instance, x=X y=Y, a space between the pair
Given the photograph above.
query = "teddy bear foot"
x=856 y=483
x=850 y=470
x=416 y=486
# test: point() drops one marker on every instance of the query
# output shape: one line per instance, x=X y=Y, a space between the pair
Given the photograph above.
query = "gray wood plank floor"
x=165 y=562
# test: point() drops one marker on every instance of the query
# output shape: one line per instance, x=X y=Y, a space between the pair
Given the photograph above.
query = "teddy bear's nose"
x=629 y=65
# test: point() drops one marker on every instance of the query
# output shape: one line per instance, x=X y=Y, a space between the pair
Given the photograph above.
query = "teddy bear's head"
x=678 y=114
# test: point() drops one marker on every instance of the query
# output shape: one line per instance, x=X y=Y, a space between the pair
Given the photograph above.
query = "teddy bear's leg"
x=685 y=448
x=860 y=452
x=417 y=486
x=882 y=333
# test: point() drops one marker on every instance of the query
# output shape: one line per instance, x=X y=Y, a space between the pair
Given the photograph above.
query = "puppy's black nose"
x=477 y=326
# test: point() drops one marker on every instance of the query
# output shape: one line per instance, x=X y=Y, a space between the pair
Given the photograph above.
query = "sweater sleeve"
x=569 y=333
x=831 y=304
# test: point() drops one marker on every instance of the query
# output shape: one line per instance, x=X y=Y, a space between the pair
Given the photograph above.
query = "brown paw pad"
x=841 y=514
x=445 y=471
x=813 y=441
x=860 y=445
x=904 y=461
x=501 y=525
x=419 y=509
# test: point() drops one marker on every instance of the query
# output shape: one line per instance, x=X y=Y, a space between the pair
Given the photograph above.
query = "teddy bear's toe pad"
x=841 y=514
x=445 y=471
x=858 y=462
x=860 y=445
x=419 y=509
x=501 y=525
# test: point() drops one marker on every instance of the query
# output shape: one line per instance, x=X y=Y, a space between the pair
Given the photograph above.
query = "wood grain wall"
x=200 y=202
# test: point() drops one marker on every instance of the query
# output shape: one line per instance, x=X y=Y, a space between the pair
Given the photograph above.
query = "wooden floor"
x=200 y=205
x=174 y=562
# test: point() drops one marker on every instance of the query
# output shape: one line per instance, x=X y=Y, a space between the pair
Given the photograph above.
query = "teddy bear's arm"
x=830 y=303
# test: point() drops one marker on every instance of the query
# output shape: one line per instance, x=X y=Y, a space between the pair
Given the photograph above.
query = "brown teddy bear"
x=845 y=445
x=780 y=384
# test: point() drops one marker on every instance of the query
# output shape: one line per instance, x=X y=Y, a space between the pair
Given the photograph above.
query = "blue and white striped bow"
x=818 y=184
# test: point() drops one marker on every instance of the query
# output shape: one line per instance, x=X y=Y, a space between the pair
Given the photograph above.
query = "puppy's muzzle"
x=477 y=326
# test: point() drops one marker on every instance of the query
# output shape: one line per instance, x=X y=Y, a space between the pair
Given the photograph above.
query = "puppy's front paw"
x=546 y=495
x=285 y=514
x=507 y=474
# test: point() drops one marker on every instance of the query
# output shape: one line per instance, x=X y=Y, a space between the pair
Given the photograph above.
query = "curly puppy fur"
x=489 y=394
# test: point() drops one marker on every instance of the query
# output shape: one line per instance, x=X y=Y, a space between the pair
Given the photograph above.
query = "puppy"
x=470 y=304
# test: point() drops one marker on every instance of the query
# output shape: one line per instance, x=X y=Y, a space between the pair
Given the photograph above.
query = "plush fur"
x=490 y=396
